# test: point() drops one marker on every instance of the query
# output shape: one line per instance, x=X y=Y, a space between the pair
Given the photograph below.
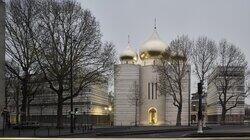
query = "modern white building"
x=135 y=70
x=237 y=87
x=91 y=106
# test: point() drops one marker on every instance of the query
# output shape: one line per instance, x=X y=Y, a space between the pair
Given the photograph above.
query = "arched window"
x=152 y=116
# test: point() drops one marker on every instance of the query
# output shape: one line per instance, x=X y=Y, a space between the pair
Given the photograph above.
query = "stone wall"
x=171 y=110
x=151 y=97
x=125 y=77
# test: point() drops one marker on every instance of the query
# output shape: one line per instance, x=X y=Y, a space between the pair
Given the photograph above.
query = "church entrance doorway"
x=152 y=116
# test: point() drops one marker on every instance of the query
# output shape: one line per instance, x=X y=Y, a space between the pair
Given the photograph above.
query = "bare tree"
x=135 y=99
x=70 y=40
x=204 y=54
x=229 y=77
x=173 y=70
x=21 y=16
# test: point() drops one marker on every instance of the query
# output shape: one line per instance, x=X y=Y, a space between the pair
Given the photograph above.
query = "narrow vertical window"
x=152 y=90
x=148 y=90
x=156 y=90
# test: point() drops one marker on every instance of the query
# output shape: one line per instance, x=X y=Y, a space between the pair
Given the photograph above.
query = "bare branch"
x=173 y=68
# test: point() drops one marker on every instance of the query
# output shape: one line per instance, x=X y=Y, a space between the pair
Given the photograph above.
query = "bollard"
x=19 y=131
x=3 y=132
x=34 y=130
x=59 y=131
x=48 y=131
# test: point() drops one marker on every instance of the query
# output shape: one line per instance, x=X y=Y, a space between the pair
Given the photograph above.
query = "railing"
x=46 y=131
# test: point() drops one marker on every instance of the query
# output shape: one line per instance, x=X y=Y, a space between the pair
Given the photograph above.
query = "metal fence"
x=45 y=131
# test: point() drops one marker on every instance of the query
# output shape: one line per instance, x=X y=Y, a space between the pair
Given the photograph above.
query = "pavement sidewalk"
x=225 y=131
x=144 y=130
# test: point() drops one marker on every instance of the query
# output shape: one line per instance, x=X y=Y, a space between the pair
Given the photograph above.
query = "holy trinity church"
x=136 y=79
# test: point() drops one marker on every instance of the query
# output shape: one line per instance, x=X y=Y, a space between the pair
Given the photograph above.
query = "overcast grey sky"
x=216 y=19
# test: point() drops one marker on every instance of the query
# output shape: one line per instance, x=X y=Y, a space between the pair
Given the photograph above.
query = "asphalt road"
x=161 y=135
x=158 y=132
x=155 y=135
x=225 y=130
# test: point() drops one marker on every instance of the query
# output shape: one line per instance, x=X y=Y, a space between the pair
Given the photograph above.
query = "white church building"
x=138 y=71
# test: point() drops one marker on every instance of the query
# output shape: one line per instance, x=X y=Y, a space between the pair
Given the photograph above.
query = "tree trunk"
x=136 y=106
x=17 y=106
x=59 y=111
x=178 y=119
x=24 y=100
x=223 y=116
x=28 y=110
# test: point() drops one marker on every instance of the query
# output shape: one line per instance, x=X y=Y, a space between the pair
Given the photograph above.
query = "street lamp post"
x=189 y=92
x=71 y=91
x=88 y=105
x=3 y=122
x=200 y=108
x=75 y=115
x=108 y=110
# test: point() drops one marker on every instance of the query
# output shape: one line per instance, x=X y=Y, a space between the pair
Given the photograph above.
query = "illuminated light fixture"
x=110 y=109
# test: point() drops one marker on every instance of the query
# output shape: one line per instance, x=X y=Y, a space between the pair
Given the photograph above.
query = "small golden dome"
x=128 y=55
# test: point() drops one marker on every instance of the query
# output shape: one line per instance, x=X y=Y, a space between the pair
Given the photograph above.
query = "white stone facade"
x=125 y=77
x=125 y=111
x=151 y=96
x=153 y=108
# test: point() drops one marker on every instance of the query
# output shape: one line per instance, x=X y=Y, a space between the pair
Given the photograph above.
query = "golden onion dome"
x=153 y=47
x=128 y=55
